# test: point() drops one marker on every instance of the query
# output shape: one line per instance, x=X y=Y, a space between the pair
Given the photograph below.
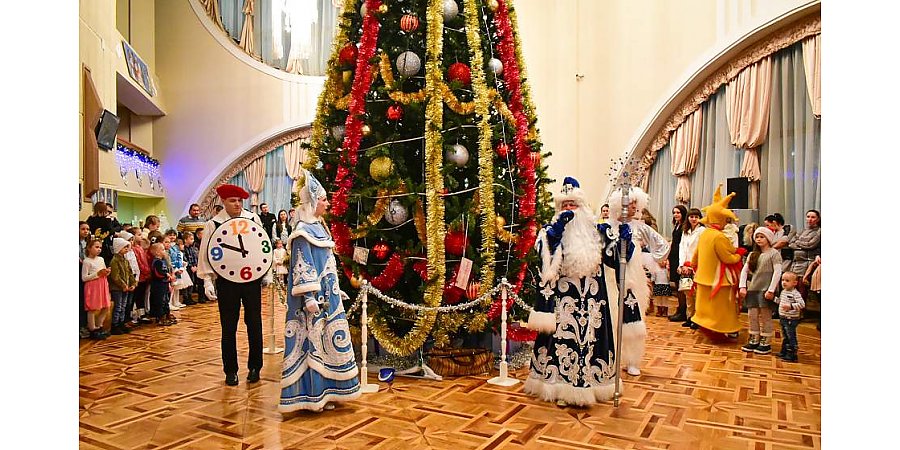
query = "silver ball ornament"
x=496 y=66
x=451 y=9
x=396 y=213
x=408 y=64
x=337 y=132
x=457 y=154
x=363 y=10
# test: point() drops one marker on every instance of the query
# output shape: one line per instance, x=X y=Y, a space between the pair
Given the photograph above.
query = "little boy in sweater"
x=790 y=305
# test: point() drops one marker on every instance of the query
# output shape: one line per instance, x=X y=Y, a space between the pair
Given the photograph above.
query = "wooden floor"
x=162 y=388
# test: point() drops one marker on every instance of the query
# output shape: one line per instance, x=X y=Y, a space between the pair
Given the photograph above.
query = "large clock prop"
x=240 y=250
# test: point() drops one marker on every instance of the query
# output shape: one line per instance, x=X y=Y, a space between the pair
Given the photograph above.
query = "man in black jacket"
x=266 y=217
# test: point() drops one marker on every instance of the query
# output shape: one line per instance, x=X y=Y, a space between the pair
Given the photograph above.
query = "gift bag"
x=459 y=362
x=685 y=284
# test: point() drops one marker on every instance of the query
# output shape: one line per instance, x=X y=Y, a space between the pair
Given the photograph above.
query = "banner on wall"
x=138 y=69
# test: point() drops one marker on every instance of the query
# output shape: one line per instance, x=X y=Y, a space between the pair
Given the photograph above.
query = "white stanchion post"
x=272 y=349
x=503 y=379
x=364 y=385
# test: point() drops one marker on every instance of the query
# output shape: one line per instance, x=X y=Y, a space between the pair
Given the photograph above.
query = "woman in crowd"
x=679 y=220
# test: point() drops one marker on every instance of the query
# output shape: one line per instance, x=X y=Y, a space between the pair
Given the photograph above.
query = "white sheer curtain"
x=277 y=189
x=292 y=35
x=791 y=156
x=661 y=188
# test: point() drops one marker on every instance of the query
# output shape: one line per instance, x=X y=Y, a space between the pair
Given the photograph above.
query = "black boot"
x=678 y=317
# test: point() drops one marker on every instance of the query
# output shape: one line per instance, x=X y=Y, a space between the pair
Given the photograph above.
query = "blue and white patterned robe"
x=577 y=362
x=319 y=365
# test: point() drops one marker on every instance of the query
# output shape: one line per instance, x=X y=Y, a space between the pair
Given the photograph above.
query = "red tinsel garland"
x=362 y=81
x=526 y=164
x=388 y=278
x=519 y=334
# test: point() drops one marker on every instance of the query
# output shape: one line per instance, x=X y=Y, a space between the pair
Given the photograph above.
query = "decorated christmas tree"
x=426 y=136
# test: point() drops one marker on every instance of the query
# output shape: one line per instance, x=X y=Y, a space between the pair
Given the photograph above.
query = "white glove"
x=312 y=307
x=209 y=287
x=344 y=296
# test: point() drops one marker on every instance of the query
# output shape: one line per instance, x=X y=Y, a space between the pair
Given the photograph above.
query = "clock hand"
x=231 y=247
x=241 y=242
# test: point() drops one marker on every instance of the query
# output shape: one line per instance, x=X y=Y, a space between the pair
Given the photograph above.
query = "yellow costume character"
x=717 y=266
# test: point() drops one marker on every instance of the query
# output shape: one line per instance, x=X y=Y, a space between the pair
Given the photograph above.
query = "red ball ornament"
x=421 y=268
x=459 y=72
x=472 y=291
x=502 y=149
x=348 y=54
x=381 y=250
x=394 y=112
x=409 y=23
x=455 y=243
x=453 y=294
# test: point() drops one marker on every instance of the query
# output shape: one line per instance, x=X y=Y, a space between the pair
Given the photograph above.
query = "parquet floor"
x=162 y=388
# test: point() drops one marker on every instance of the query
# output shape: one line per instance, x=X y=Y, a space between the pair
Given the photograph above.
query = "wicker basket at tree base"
x=460 y=362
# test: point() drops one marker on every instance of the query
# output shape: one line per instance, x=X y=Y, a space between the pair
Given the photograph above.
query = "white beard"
x=582 y=252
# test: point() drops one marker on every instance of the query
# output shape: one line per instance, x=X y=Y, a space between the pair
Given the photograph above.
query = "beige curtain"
x=255 y=173
x=812 y=62
x=294 y=155
x=212 y=10
x=747 y=99
x=685 y=145
x=246 y=42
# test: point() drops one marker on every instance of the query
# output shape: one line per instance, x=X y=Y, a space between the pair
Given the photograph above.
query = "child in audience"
x=160 y=281
x=131 y=257
x=121 y=284
x=84 y=230
x=790 y=306
x=139 y=247
x=662 y=291
x=280 y=256
x=759 y=279
x=190 y=265
x=181 y=279
x=96 y=289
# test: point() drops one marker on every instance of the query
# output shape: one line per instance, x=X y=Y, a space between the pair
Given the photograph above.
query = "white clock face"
x=240 y=250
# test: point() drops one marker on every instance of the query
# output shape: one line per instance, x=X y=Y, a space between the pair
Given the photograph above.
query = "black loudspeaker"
x=741 y=189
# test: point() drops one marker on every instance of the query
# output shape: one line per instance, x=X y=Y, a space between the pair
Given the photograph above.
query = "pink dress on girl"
x=96 y=288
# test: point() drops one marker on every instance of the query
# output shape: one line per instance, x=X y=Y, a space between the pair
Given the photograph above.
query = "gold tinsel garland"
x=332 y=89
x=434 y=186
x=485 y=156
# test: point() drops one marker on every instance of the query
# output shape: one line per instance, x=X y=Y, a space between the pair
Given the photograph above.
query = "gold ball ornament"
x=366 y=130
x=493 y=5
x=501 y=222
x=381 y=168
x=355 y=281
x=382 y=9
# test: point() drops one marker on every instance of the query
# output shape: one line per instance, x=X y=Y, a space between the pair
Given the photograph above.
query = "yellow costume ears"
x=717 y=211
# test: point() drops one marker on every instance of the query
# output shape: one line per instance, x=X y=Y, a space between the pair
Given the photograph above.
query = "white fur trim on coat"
x=634 y=336
x=542 y=322
x=584 y=396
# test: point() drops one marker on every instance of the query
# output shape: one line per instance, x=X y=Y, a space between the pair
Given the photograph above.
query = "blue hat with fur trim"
x=571 y=191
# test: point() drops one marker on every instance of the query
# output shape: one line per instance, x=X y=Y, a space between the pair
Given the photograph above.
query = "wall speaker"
x=741 y=189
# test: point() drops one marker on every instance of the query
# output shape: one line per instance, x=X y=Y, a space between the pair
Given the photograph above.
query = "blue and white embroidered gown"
x=577 y=362
x=319 y=365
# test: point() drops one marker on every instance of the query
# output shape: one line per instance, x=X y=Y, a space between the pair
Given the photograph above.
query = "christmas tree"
x=425 y=134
